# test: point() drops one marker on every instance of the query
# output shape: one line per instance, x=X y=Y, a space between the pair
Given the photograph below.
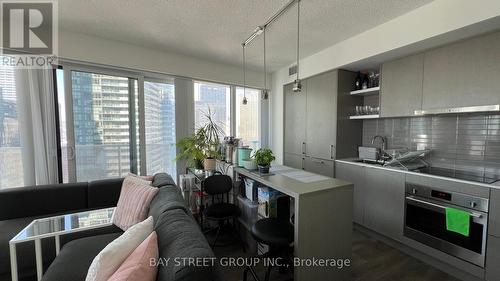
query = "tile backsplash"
x=465 y=142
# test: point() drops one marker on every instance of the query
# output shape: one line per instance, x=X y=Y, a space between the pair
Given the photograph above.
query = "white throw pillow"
x=113 y=255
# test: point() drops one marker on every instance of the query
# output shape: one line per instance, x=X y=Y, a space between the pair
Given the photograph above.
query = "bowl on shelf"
x=249 y=164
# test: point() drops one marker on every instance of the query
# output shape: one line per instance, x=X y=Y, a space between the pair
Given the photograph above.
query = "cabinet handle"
x=332 y=149
x=304 y=148
x=318 y=161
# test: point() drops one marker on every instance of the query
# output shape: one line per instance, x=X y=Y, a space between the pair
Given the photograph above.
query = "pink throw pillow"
x=135 y=197
x=146 y=178
x=137 y=266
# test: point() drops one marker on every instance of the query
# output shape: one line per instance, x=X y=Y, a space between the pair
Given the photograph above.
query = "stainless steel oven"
x=425 y=221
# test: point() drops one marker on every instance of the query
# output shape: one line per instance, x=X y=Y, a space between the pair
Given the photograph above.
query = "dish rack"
x=410 y=160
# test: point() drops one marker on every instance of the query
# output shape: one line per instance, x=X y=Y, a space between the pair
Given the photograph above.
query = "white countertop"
x=290 y=186
x=352 y=161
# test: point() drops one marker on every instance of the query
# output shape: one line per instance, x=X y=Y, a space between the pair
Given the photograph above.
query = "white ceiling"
x=214 y=29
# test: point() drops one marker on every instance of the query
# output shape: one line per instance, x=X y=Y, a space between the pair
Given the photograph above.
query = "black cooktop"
x=461 y=175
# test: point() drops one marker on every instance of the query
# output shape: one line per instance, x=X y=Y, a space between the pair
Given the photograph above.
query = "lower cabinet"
x=293 y=160
x=384 y=202
x=494 y=215
x=319 y=166
x=492 y=258
x=355 y=175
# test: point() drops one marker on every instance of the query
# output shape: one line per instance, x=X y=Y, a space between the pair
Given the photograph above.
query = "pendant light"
x=297 y=86
x=244 y=101
x=265 y=92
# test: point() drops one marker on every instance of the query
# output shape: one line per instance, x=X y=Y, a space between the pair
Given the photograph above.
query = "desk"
x=323 y=220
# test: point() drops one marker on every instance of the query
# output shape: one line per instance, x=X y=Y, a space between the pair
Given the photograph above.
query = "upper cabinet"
x=321 y=115
x=401 y=87
x=295 y=120
x=462 y=74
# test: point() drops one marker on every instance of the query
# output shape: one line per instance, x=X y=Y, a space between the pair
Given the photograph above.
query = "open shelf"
x=366 y=92
x=372 y=116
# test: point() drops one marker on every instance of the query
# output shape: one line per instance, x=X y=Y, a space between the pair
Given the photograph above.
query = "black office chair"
x=218 y=187
x=277 y=233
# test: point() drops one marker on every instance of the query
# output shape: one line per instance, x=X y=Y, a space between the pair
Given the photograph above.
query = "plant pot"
x=264 y=169
x=209 y=164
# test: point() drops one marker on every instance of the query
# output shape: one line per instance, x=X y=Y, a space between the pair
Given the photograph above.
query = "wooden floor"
x=376 y=261
x=372 y=261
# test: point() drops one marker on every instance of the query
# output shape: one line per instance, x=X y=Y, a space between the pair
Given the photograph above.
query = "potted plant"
x=264 y=157
x=202 y=149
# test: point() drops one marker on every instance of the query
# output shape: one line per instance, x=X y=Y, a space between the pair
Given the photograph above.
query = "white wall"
x=432 y=24
x=99 y=50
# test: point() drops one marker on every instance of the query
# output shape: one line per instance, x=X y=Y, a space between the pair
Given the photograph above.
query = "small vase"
x=209 y=164
x=264 y=169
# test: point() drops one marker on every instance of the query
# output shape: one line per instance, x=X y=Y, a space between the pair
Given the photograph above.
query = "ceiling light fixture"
x=257 y=32
x=297 y=86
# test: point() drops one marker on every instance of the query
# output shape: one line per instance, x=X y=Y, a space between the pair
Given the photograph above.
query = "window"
x=247 y=117
x=159 y=104
x=100 y=132
x=217 y=99
x=101 y=125
x=11 y=173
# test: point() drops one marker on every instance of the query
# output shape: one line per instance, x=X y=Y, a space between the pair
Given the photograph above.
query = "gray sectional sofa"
x=178 y=234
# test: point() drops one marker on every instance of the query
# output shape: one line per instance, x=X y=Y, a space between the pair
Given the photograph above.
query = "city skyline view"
x=101 y=114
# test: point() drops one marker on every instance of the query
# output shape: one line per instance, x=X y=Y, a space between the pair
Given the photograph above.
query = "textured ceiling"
x=214 y=29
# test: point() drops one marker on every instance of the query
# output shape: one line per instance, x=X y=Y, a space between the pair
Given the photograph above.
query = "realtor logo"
x=29 y=27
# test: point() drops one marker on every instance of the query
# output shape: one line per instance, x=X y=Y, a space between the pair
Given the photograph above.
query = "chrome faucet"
x=382 y=152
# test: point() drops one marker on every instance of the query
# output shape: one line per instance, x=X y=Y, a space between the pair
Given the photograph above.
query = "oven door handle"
x=411 y=198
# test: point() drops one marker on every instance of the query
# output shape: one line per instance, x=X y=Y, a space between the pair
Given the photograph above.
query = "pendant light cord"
x=244 y=73
x=298 y=36
x=265 y=68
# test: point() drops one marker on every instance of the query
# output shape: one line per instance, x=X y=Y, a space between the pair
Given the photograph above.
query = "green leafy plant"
x=264 y=157
x=203 y=144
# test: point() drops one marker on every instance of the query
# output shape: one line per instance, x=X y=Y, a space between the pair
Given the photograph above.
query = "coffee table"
x=55 y=227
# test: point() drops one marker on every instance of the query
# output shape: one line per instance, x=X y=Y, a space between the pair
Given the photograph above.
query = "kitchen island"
x=323 y=221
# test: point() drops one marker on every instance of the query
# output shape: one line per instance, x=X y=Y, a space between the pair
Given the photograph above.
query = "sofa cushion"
x=137 y=266
x=168 y=198
x=180 y=237
x=75 y=258
x=42 y=200
x=163 y=179
x=116 y=252
x=104 y=193
x=134 y=202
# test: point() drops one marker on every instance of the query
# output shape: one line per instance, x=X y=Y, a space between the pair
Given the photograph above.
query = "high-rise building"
x=101 y=125
x=11 y=173
x=217 y=99
x=101 y=111
x=159 y=104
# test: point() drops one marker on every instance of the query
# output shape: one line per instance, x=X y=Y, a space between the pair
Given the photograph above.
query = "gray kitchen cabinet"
x=492 y=258
x=319 y=166
x=462 y=74
x=293 y=160
x=494 y=214
x=384 y=202
x=321 y=115
x=295 y=119
x=354 y=174
x=401 y=87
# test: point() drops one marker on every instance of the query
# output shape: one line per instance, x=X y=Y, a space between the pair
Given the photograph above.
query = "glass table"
x=55 y=227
